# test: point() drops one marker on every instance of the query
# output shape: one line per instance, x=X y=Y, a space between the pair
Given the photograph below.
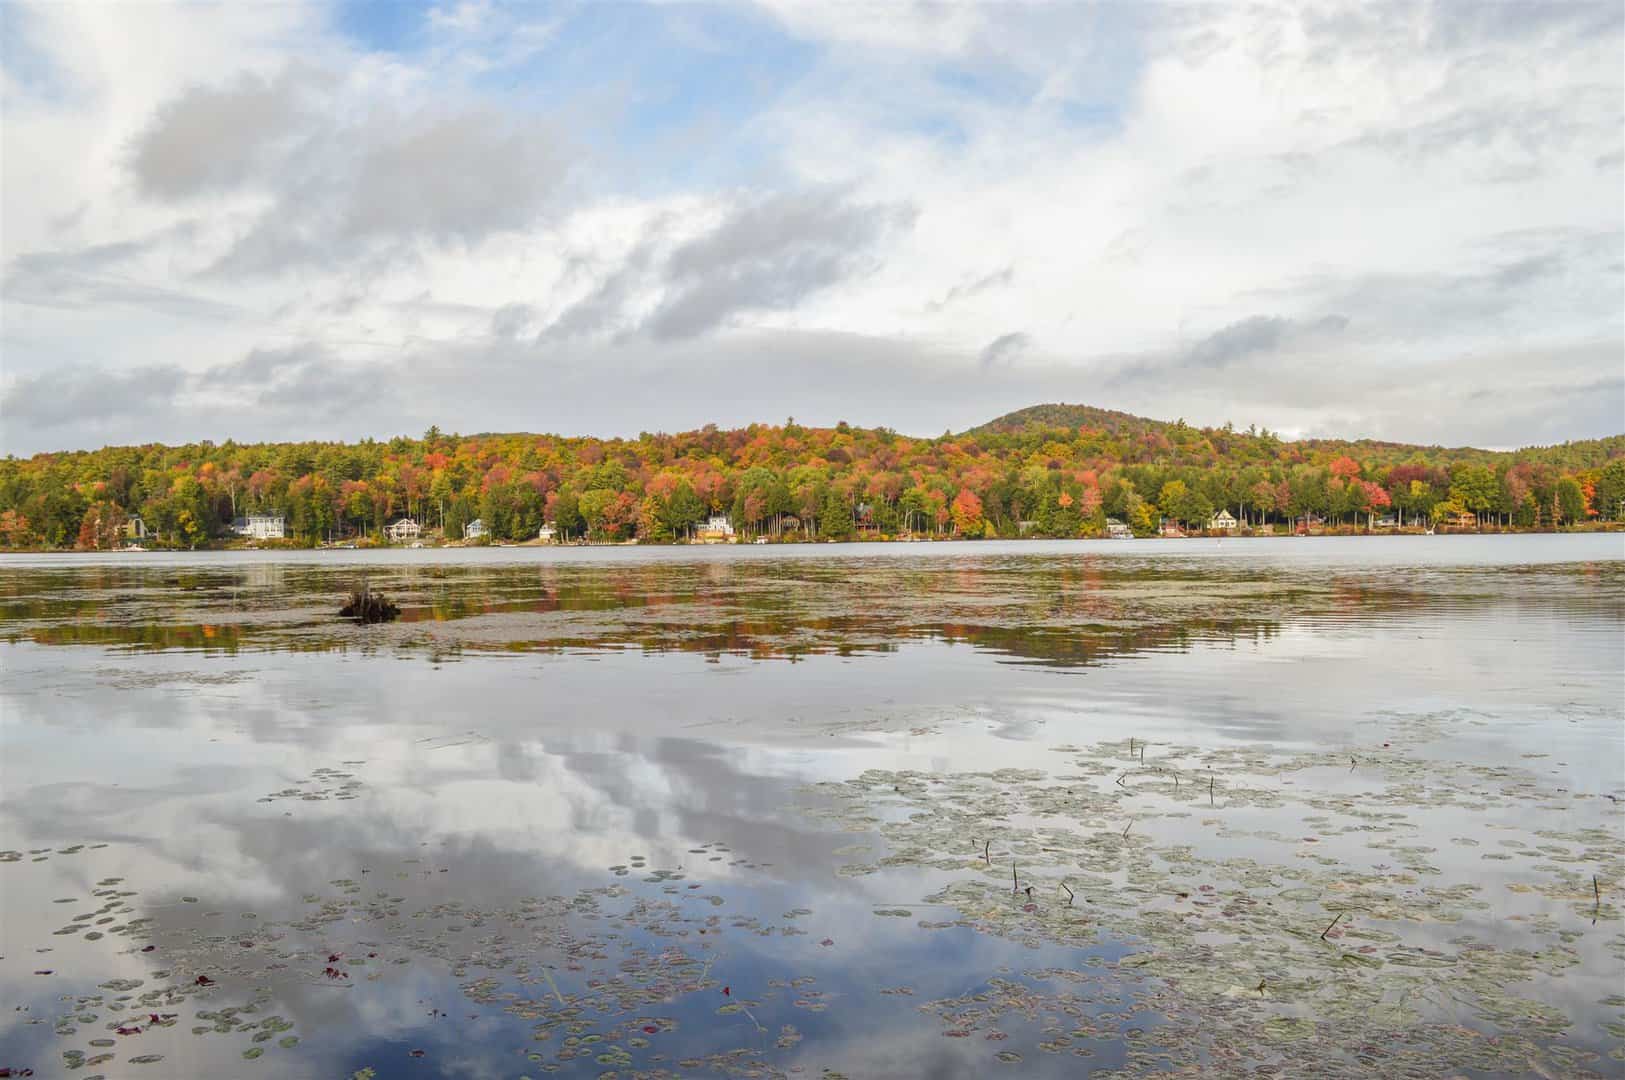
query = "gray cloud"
x=86 y=396
x=769 y=255
x=1003 y=349
x=300 y=381
x=766 y=254
x=1520 y=133
x=213 y=139
x=996 y=280
x=1255 y=337
x=1258 y=334
x=331 y=390
x=1466 y=24
x=292 y=392
x=340 y=184
x=98 y=276
x=1516 y=282
x=510 y=320
x=260 y=368
x=607 y=307
x=70 y=221
x=460 y=176
x=447 y=178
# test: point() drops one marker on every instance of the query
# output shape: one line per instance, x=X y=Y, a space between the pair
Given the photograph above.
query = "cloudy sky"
x=278 y=220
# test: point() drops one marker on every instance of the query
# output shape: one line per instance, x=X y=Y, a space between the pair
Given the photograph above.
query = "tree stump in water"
x=367 y=606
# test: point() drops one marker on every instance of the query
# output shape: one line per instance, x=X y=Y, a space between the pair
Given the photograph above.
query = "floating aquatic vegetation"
x=321 y=785
x=618 y=955
x=1241 y=954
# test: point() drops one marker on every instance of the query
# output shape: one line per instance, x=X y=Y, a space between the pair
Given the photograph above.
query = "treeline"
x=1034 y=477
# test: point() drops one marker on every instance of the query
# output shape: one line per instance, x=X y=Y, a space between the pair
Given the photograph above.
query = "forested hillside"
x=1052 y=470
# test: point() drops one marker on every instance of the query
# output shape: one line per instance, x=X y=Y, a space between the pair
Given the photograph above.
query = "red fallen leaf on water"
x=204 y=980
x=650 y=1029
x=827 y=941
x=371 y=955
x=415 y=1053
x=335 y=973
x=995 y=1036
x=725 y=992
x=1029 y=908
x=957 y=1034
x=149 y=948
x=45 y=971
x=127 y=1031
x=333 y=958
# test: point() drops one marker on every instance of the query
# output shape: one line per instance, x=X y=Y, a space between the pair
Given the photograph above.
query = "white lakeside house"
x=475 y=529
x=402 y=531
x=263 y=525
x=717 y=527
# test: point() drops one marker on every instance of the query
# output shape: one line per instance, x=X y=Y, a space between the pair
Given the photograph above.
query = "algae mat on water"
x=1279 y=900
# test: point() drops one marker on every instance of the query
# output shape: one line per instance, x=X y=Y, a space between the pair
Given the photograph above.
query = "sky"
x=276 y=221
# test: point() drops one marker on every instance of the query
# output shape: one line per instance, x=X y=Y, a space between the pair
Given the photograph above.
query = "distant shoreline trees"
x=1035 y=478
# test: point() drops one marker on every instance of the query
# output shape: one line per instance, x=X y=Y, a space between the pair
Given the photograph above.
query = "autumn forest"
x=1048 y=471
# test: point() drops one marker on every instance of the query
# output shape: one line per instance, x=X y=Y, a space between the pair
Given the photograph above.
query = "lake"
x=1191 y=808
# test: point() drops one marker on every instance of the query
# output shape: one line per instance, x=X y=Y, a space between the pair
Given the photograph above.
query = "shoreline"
x=1602 y=528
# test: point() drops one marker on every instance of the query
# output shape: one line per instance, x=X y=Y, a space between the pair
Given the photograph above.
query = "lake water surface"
x=1199 y=808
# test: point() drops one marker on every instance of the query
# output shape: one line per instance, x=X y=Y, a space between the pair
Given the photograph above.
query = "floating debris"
x=366 y=606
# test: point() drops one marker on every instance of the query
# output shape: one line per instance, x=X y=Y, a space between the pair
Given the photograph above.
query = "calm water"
x=883 y=811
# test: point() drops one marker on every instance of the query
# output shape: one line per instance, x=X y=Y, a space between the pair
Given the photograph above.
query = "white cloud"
x=1101 y=190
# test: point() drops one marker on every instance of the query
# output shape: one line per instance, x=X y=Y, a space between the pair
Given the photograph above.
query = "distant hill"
x=1067 y=416
x=1111 y=422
